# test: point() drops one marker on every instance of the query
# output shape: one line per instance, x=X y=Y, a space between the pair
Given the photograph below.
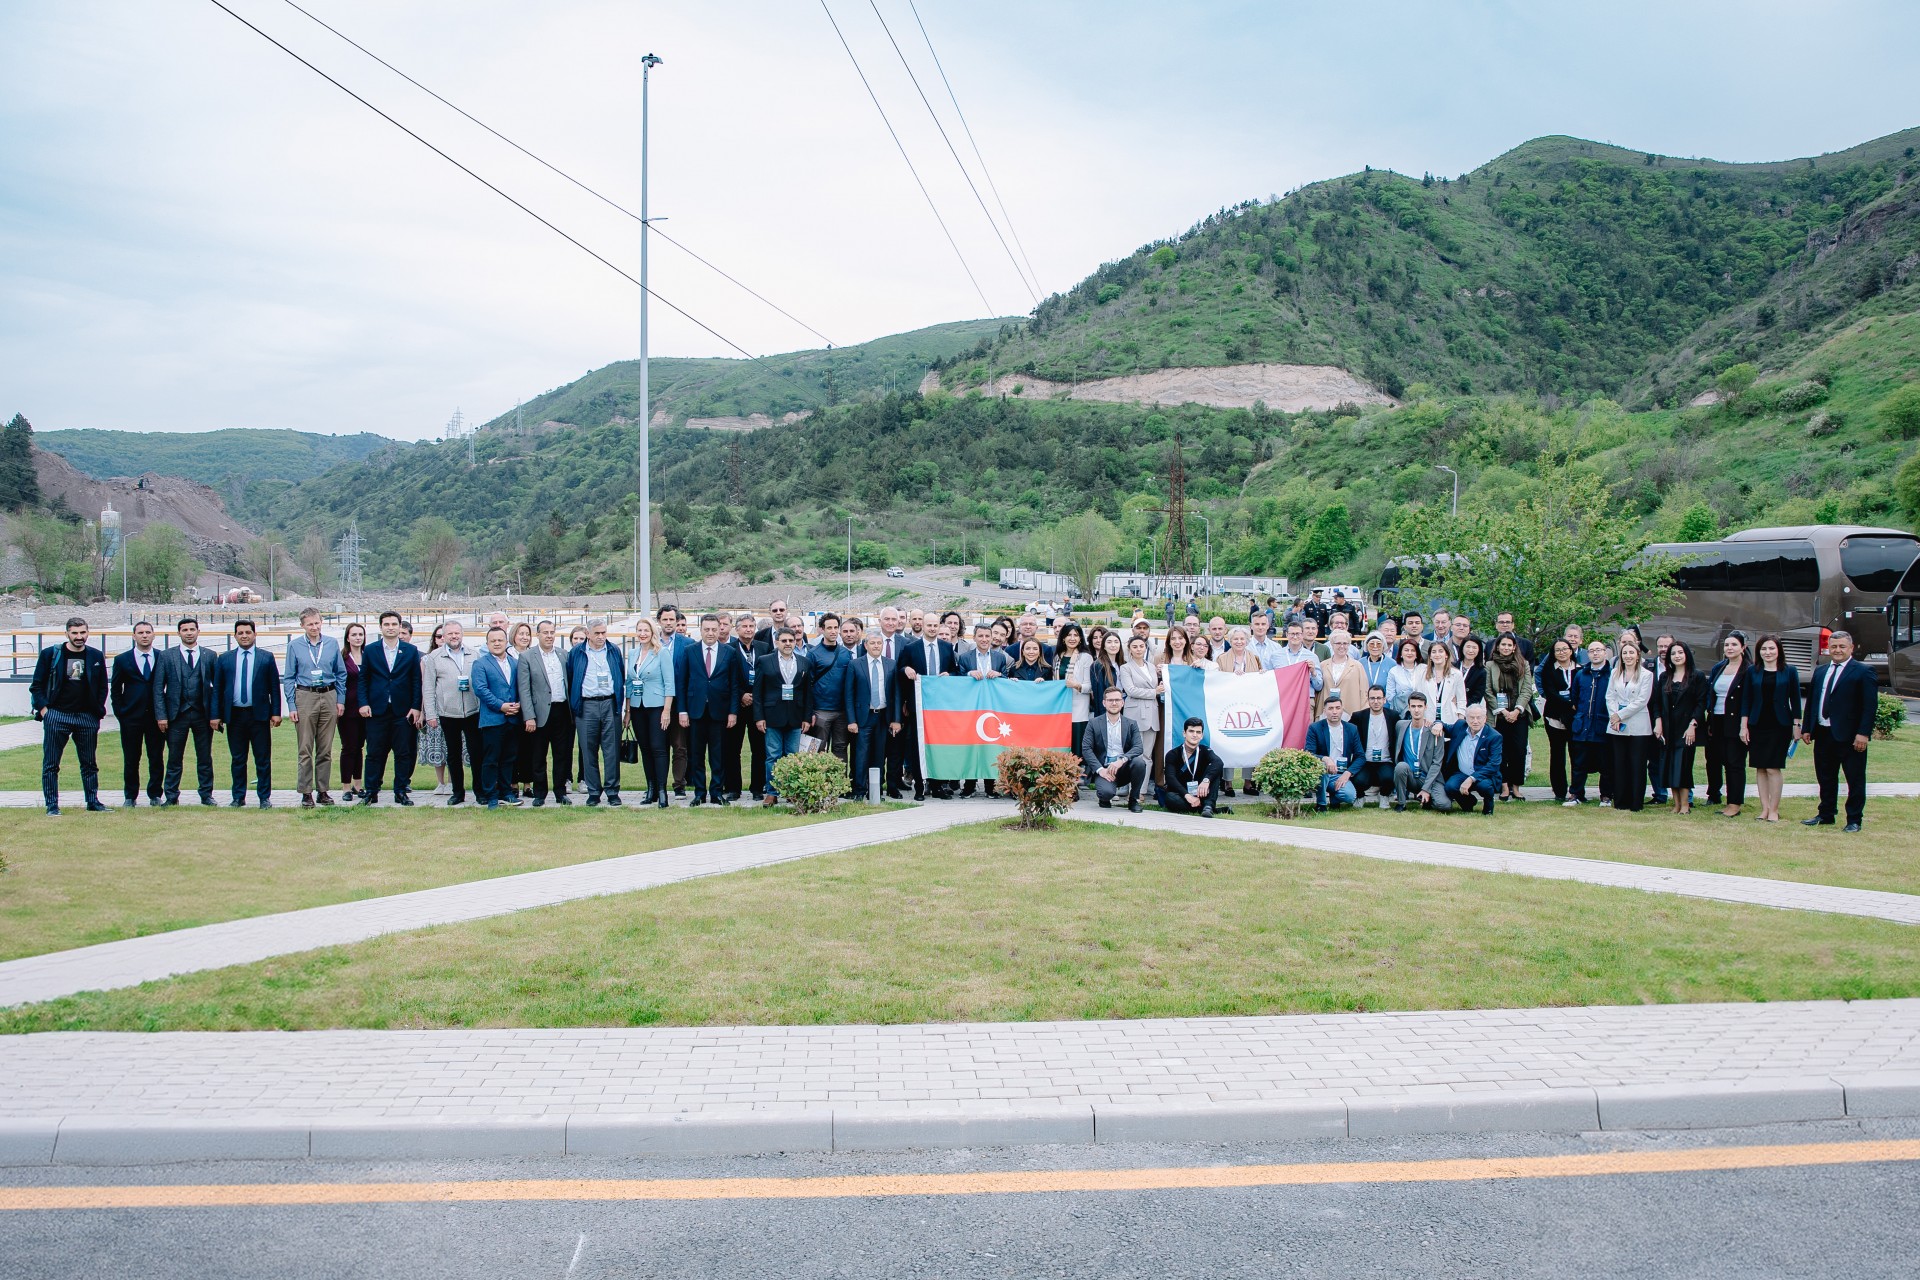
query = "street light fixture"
x=644 y=549
x=1456 y=485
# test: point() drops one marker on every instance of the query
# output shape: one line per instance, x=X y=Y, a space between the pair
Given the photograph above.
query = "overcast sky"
x=197 y=232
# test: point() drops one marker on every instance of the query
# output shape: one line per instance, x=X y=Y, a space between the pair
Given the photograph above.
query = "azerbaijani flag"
x=1246 y=716
x=965 y=722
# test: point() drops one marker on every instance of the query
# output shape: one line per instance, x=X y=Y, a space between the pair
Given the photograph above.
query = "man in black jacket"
x=69 y=700
x=746 y=730
x=1376 y=726
x=131 y=688
x=783 y=706
x=931 y=655
x=1192 y=774
x=247 y=705
x=1841 y=703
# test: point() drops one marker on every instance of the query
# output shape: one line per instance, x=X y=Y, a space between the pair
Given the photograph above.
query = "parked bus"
x=1903 y=618
x=1801 y=583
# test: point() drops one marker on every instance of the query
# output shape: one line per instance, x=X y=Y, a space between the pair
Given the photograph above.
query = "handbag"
x=629 y=745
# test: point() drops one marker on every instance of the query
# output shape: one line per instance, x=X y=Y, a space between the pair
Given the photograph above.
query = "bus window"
x=1769 y=567
x=1874 y=564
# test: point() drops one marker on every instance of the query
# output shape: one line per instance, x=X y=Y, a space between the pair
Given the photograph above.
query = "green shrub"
x=1288 y=778
x=1901 y=412
x=1889 y=715
x=1044 y=782
x=812 y=782
x=1796 y=396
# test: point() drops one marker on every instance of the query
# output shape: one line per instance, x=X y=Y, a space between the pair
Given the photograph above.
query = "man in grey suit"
x=183 y=706
x=1113 y=750
x=548 y=719
x=1422 y=772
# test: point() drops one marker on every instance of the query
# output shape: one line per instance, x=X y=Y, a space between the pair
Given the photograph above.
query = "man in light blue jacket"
x=496 y=683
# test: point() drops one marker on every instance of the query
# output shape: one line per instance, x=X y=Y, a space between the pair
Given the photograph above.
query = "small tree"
x=811 y=781
x=1043 y=782
x=267 y=560
x=159 y=562
x=434 y=548
x=1288 y=778
x=1699 y=524
x=1900 y=412
x=315 y=558
x=47 y=543
x=1085 y=545
x=1568 y=554
x=1906 y=487
x=1735 y=379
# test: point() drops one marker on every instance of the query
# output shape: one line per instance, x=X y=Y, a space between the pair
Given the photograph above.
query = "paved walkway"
x=216 y=946
x=102 y=1096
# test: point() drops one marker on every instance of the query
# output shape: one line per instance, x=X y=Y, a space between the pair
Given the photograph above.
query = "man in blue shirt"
x=316 y=690
x=247 y=704
x=1337 y=744
x=1473 y=760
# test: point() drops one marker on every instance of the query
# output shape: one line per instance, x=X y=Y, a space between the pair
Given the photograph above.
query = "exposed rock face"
x=194 y=509
x=1284 y=388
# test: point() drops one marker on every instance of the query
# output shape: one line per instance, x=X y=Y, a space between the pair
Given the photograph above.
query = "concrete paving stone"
x=692 y=1135
x=1267 y=1121
x=903 y=1130
x=114 y=1140
x=1882 y=1093
x=467 y=1138
x=28 y=1141
x=1707 y=1104
x=1515 y=1111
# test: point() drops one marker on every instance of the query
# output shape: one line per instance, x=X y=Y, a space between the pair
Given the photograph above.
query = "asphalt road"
x=1855 y=1220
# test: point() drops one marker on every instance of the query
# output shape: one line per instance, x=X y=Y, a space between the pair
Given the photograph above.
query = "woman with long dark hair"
x=1473 y=674
x=1075 y=666
x=1726 y=753
x=1032 y=664
x=1680 y=709
x=1107 y=661
x=1404 y=676
x=353 y=731
x=1556 y=688
x=1770 y=720
x=1510 y=711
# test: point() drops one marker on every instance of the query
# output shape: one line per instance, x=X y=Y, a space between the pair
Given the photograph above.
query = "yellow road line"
x=1691 y=1160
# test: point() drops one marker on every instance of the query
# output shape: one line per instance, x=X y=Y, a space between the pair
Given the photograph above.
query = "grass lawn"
x=1884 y=856
x=85 y=878
x=1081 y=922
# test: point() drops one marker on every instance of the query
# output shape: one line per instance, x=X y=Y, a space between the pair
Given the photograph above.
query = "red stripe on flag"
x=999 y=729
x=1296 y=703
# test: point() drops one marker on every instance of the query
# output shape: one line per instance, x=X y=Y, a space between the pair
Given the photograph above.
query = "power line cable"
x=954 y=152
x=904 y=156
x=604 y=199
x=985 y=172
x=483 y=182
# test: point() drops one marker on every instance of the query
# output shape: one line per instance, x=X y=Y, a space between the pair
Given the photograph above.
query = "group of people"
x=1421 y=713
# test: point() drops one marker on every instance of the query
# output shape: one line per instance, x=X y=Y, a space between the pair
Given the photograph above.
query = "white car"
x=896 y=572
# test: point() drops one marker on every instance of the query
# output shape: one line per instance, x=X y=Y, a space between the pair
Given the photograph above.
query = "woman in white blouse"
x=1629 y=725
x=1446 y=690
x=1405 y=674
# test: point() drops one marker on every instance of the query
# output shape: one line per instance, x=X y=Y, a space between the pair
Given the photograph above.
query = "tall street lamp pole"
x=644 y=605
x=1456 y=485
x=1206 y=572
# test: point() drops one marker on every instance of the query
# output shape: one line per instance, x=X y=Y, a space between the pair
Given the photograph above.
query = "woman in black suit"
x=1726 y=754
x=1473 y=670
x=1556 y=686
x=1682 y=700
x=1769 y=720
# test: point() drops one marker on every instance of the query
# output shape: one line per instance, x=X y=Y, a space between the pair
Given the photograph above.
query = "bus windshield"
x=1874 y=562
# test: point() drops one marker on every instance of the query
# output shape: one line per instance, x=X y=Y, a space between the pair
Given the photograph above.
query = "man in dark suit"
x=933 y=655
x=1473 y=760
x=184 y=703
x=1192 y=773
x=981 y=660
x=1378 y=730
x=390 y=704
x=762 y=640
x=708 y=680
x=247 y=704
x=69 y=696
x=135 y=677
x=1841 y=704
x=873 y=710
x=782 y=707
x=1336 y=744
x=746 y=730
x=893 y=646
x=1114 y=752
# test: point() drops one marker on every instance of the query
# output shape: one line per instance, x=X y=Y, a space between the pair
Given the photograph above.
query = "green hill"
x=1564 y=267
x=796 y=382
x=210 y=457
x=1514 y=310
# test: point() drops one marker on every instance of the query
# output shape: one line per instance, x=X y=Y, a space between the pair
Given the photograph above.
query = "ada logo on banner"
x=1244 y=720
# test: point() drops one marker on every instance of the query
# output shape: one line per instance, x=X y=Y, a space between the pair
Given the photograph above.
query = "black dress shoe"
x=1851 y=826
x=561 y=798
x=539 y=802
x=1206 y=811
x=593 y=802
x=94 y=806
x=236 y=803
x=265 y=803
x=613 y=801
x=1133 y=806
x=306 y=802
x=694 y=803
x=1106 y=804
x=404 y=800
x=1816 y=822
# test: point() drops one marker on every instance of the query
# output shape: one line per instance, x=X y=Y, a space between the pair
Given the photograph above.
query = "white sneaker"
x=1569 y=804
x=444 y=789
x=1606 y=804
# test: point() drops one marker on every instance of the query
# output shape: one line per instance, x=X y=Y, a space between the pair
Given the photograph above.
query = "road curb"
x=130 y=1140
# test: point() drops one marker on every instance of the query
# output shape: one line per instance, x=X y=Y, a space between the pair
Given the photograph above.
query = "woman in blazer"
x=1629 y=725
x=1235 y=658
x=1770 y=720
x=1555 y=684
x=1473 y=672
x=1726 y=754
x=650 y=704
x=1404 y=676
x=1682 y=701
x=353 y=731
x=1033 y=663
x=1510 y=711
x=1446 y=691
x=1140 y=681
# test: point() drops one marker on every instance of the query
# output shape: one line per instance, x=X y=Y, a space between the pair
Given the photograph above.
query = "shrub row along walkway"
x=129 y=1097
x=136 y=960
